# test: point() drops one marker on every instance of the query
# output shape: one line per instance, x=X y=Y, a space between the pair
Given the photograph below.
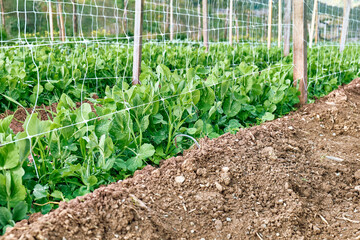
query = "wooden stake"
x=316 y=28
x=226 y=24
x=231 y=23
x=300 y=51
x=205 y=25
x=344 y=30
x=139 y=4
x=312 y=26
x=75 y=23
x=280 y=24
x=61 y=23
x=2 y=14
x=269 y=24
x=125 y=17
x=171 y=21
x=199 y=25
x=287 y=27
x=237 y=30
x=51 y=22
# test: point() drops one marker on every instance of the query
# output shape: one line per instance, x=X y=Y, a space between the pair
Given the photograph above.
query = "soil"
x=297 y=177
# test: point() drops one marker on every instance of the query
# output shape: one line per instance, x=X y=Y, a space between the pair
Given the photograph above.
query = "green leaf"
x=57 y=194
x=40 y=191
x=144 y=124
x=19 y=211
x=5 y=216
x=9 y=156
x=134 y=163
x=146 y=151
x=49 y=86
x=33 y=125
x=268 y=117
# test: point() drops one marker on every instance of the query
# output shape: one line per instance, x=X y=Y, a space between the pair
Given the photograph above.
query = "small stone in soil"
x=218 y=187
x=218 y=225
x=357 y=174
x=179 y=179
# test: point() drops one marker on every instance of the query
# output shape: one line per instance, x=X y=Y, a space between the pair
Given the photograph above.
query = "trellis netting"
x=66 y=71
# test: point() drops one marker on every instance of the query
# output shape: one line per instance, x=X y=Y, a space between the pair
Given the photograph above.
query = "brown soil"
x=44 y=113
x=279 y=180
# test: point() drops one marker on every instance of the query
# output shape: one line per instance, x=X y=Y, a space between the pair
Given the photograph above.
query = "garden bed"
x=297 y=177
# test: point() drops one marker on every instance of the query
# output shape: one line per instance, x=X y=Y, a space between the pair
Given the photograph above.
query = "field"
x=296 y=177
x=179 y=119
x=81 y=140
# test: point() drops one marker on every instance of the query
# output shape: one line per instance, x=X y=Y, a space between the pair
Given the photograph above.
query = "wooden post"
x=237 y=30
x=199 y=25
x=139 y=4
x=316 y=28
x=300 y=51
x=231 y=23
x=344 y=30
x=51 y=22
x=313 y=19
x=269 y=25
x=125 y=17
x=205 y=25
x=75 y=24
x=171 y=21
x=280 y=24
x=61 y=22
x=2 y=14
x=226 y=24
x=287 y=27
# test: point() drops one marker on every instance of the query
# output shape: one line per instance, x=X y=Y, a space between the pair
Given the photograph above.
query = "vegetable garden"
x=81 y=108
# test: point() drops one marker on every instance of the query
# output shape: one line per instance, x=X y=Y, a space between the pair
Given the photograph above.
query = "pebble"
x=228 y=219
x=179 y=179
x=291 y=127
x=225 y=176
x=225 y=169
x=218 y=187
x=218 y=225
x=357 y=174
x=357 y=188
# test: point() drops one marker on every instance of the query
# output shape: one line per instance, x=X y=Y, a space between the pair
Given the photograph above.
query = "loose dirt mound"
x=293 y=178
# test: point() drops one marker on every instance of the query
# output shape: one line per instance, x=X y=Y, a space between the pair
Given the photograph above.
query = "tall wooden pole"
x=300 y=51
x=345 y=26
x=139 y=4
x=2 y=13
x=287 y=27
x=51 y=22
x=199 y=24
x=316 y=28
x=171 y=21
x=237 y=30
x=313 y=19
x=125 y=17
x=205 y=25
x=231 y=23
x=75 y=23
x=280 y=23
x=269 y=25
x=62 y=25
x=226 y=24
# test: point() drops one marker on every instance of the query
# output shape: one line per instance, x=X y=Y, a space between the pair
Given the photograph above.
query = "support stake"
x=313 y=19
x=205 y=25
x=137 y=41
x=300 y=51
x=287 y=27
x=344 y=31
x=269 y=24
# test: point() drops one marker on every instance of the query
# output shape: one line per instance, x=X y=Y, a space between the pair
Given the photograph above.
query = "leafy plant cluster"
x=184 y=91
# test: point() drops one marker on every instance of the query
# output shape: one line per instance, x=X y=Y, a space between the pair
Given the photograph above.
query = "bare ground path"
x=297 y=177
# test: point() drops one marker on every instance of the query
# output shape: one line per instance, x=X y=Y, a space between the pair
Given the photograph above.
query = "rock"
x=357 y=188
x=357 y=174
x=179 y=179
x=156 y=173
x=270 y=153
x=225 y=169
x=218 y=187
x=201 y=172
x=316 y=229
x=188 y=165
x=218 y=225
x=226 y=178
